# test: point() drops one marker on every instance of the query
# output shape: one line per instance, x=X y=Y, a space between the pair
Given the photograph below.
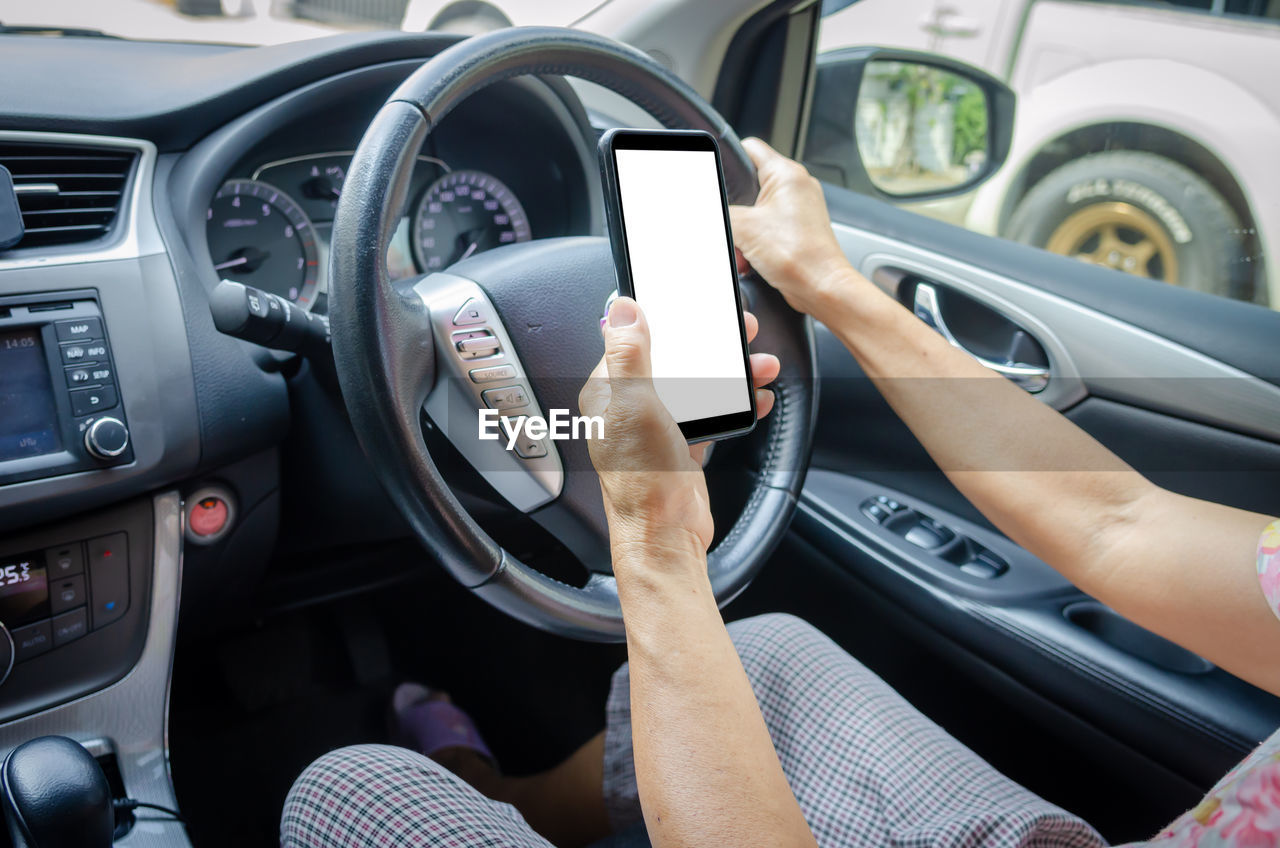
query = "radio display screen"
x=24 y=589
x=28 y=417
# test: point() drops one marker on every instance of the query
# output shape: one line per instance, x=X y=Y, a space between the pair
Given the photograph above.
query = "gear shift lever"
x=55 y=795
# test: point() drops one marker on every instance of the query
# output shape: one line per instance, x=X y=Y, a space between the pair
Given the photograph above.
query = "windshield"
x=279 y=21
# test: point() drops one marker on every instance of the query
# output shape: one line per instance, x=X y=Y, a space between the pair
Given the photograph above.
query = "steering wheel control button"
x=66 y=594
x=81 y=329
x=107 y=437
x=467 y=327
x=209 y=513
x=527 y=448
x=472 y=312
x=476 y=344
x=32 y=641
x=89 y=401
x=492 y=374
x=64 y=560
x=69 y=627
x=108 y=579
x=508 y=397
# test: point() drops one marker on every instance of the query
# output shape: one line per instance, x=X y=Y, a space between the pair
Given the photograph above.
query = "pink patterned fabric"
x=1269 y=565
x=1243 y=810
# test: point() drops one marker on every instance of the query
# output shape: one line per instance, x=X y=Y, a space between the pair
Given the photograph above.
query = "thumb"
x=762 y=155
x=626 y=345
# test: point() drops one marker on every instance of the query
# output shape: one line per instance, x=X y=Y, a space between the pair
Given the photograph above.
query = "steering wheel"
x=530 y=313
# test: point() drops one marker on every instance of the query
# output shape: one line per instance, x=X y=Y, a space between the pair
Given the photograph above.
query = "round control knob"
x=7 y=653
x=106 y=438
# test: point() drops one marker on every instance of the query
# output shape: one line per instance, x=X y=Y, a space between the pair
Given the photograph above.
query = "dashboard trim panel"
x=135 y=234
x=133 y=713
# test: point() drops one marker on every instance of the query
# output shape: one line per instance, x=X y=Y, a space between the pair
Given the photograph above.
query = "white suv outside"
x=1147 y=135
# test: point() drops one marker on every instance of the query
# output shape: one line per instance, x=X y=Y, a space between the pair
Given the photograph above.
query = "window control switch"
x=928 y=534
x=881 y=508
x=875 y=511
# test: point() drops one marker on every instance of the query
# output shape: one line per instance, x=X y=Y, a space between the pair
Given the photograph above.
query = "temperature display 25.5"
x=24 y=589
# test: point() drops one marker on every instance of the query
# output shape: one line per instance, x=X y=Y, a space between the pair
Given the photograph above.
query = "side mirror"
x=899 y=124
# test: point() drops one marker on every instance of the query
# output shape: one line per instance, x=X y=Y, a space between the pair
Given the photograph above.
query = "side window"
x=1143 y=139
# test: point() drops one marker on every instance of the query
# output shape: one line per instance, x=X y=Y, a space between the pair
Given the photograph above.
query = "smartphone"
x=668 y=219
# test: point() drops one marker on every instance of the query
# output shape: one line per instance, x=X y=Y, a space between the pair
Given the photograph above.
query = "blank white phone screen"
x=682 y=271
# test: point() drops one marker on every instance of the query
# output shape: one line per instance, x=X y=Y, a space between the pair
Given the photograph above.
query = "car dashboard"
x=150 y=465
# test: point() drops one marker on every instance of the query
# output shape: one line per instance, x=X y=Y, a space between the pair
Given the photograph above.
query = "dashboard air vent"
x=67 y=193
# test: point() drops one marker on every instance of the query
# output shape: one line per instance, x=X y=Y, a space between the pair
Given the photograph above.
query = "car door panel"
x=1183 y=386
x=1186 y=318
x=1137 y=691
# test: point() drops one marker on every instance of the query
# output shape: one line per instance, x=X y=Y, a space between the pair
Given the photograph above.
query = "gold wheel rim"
x=1120 y=236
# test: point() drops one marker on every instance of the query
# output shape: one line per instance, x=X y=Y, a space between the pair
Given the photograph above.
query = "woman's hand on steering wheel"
x=786 y=236
x=655 y=493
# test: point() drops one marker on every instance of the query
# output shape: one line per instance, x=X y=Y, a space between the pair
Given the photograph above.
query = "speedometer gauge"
x=260 y=237
x=462 y=213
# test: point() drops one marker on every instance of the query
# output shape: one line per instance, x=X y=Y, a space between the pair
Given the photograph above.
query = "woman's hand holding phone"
x=654 y=490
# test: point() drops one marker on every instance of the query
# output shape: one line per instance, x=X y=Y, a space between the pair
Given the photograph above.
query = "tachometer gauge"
x=462 y=213
x=258 y=236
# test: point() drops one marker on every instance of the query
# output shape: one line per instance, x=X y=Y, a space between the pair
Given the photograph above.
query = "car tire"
x=1115 y=207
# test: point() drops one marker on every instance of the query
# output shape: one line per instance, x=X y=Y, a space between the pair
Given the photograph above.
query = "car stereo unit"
x=60 y=409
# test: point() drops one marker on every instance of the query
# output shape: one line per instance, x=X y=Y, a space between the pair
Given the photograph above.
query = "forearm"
x=1045 y=482
x=705 y=766
x=1176 y=565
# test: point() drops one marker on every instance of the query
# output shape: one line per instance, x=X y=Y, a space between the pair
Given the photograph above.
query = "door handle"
x=1033 y=378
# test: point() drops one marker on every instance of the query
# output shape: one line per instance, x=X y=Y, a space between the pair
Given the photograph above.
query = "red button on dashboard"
x=208 y=516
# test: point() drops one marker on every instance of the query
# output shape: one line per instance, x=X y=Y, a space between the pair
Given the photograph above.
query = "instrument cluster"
x=272 y=230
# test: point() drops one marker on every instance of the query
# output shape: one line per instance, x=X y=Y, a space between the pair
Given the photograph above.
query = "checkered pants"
x=865 y=766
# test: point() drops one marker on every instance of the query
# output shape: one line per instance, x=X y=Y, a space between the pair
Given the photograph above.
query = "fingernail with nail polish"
x=622 y=313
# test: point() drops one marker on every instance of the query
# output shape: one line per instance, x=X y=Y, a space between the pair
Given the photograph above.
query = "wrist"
x=835 y=287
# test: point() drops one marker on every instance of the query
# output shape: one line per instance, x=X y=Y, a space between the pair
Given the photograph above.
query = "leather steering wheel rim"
x=385 y=357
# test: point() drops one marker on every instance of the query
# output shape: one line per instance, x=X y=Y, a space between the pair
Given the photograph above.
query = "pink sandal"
x=429 y=725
